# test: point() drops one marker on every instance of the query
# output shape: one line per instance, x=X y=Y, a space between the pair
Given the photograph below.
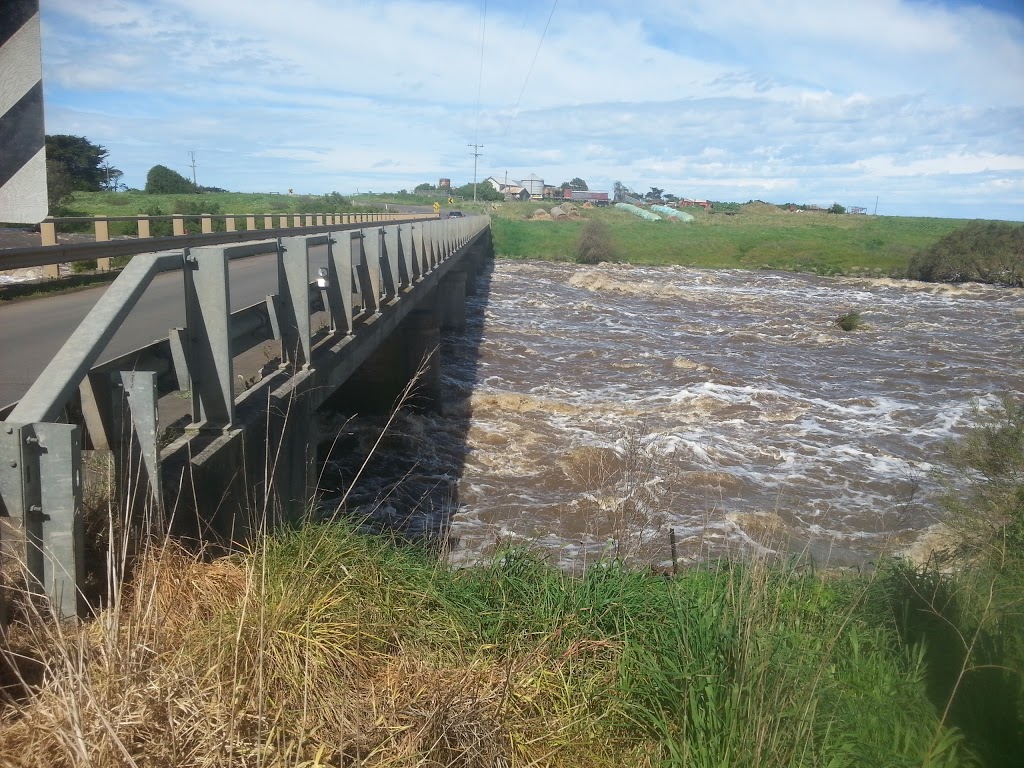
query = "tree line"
x=75 y=164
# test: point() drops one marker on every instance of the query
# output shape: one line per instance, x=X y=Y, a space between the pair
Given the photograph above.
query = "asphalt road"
x=32 y=331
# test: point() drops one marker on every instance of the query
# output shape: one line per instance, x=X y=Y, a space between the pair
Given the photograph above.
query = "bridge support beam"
x=453 y=300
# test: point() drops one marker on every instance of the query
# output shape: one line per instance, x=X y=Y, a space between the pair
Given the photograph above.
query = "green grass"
x=332 y=644
x=758 y=237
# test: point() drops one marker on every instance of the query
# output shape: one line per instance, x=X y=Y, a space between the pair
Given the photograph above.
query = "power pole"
x=876 y=206
x=476 y=154
x=193 y=156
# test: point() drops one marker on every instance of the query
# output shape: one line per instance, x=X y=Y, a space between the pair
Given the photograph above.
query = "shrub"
x=981 y=251
x=595 y=244
x=851 y=321
x=162 y=180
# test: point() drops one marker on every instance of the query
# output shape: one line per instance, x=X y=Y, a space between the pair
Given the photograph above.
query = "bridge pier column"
x=453 y=289
x=422 y=335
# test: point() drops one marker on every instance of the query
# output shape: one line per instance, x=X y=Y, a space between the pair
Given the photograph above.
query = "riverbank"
x=331 y=648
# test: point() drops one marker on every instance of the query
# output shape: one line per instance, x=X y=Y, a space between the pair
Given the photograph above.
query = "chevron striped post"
x=22 y=134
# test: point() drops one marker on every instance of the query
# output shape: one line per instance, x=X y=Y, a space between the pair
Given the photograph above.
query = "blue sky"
x=917 y=104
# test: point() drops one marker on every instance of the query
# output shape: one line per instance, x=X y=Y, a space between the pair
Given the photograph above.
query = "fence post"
x=250 y=222
x=144 y=230
x=229 y=222
x=48 y=236
x=207 y=223
x=178 y=224
x=102 y=235
x=268 y=222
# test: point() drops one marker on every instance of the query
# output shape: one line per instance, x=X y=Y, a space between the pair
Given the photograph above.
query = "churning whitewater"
x=589 y=410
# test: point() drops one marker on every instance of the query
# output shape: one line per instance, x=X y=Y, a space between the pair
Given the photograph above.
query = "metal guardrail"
x=40 y=456
x=50 y=253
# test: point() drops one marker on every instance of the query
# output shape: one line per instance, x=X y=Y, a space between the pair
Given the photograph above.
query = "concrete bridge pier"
x=377 y=385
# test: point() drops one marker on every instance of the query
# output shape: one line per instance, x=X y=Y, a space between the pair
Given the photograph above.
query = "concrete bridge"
x=367 y=327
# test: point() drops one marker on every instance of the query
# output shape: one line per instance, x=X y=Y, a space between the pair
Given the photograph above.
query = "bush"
x=851 y=321
x=595 y=244
x=162 y=180
x=981 y=251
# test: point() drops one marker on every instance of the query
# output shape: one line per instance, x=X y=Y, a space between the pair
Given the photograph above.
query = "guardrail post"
x=293 y=287
x=268 y=222
x=178 y=225
x=339 y=285
x=250 y=222
x=143 y=227
x=405 y=260
x=206 y=223
x=309 y=220
x=392 y=276
x=102 y=229
x=419 y=259
x=48 y=233
x=319 y=219
x=230 y=223
x=207 y=318
x=377 y=266
x=367 y=273
x=48 y=236
x=41 y=487
x=136 y=455
x=297 y=220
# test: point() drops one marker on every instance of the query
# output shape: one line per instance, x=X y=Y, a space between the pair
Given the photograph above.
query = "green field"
x=753 y=236
x=758 y=236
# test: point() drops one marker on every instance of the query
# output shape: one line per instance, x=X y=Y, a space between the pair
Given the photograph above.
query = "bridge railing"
x=369 y=270
x=183 y=225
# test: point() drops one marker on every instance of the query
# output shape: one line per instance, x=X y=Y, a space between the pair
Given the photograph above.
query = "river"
x=590 y=410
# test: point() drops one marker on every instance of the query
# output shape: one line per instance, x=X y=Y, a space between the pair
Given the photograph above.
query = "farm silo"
x=533 y=184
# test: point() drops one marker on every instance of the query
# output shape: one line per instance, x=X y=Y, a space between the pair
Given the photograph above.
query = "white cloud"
x=746 y=98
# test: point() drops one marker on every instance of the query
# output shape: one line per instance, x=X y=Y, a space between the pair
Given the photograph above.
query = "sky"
x=907 y=107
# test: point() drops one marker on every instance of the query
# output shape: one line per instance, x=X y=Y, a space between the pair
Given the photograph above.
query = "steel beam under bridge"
x=245 y=462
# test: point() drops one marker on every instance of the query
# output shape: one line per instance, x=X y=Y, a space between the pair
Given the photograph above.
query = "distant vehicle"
x=455 y=214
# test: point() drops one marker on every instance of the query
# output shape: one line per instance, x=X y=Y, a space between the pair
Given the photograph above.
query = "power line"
x=529 y=72
x=476 y=154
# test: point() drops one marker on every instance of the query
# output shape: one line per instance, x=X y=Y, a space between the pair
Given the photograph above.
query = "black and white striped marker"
x=22 y=133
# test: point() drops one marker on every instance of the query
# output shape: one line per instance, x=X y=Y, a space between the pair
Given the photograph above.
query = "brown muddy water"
x=589 y=410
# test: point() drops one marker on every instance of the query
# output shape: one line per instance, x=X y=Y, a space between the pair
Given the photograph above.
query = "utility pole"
x=476 y=154
x=193 y=156
x=876 y=206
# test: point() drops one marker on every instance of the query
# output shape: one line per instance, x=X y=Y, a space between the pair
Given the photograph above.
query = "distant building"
x=583 y=196
x=444 y=183
x=688 y=203
x=533 y=186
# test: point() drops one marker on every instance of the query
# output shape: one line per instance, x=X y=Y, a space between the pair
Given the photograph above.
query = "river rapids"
x=589 y=411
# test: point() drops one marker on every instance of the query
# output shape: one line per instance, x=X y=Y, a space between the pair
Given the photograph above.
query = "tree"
x=618 y=191
x=654 y=194
x=111 y=177
x=576 y=183
x=837 y=208
x=162 y=180
x=483 y=192
x=73 y=163
x=424 y=187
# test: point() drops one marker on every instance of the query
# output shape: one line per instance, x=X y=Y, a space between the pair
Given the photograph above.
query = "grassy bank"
x=331 y=648
x=758 y=236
